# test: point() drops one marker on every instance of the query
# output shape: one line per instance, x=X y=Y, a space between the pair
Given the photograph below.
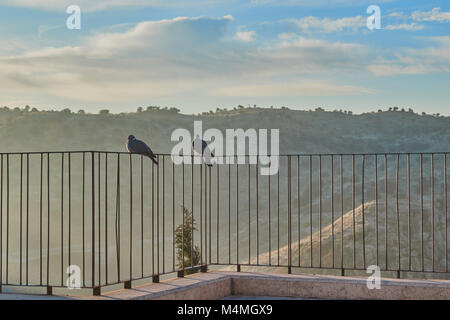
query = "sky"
x=199 y=55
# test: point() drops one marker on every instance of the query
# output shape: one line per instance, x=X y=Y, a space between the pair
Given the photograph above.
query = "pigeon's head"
x=131 y=137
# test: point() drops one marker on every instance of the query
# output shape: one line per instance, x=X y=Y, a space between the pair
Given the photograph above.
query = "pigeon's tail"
x=153 y=157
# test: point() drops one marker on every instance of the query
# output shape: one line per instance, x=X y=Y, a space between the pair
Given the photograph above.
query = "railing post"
x=96 y=290
x=1 y=222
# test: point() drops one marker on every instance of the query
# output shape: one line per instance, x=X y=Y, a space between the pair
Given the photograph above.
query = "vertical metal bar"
x=40 y=217
x=353 y=211
x=142 y=216
x=341 y=180
x=409 y=211
x=131 y=217
x=237 y=212
x=320 y=211
x=27 y=217
x=432 y=211
x=278 y=217
x=386 y=210
x=83 y=218
x=48 y=219
x=99 y=224
x=153 y=219
x=289 y=214
x=270 y=222
x=7 y=217
x=192 y=208
x=157 y=218
x=70 y=209
x=363 y=211
x=218 y=218
x=173 y=215
x=445 y=212
x=249 y=221
x=182 y=225
x=20 y=217
x=206 y=213
x=332 y=209
x=62 y=219
x=164 y=211
x=376 y=209
x=1 y=221
x=310 y=213
x=398 y=212
x=201 y=213
x=93 y=217
x=106 y=218
x=298 y=210
x=421 y=207
x=118 y=218
x=257 y=214
x=209 y=214
x=229 y=212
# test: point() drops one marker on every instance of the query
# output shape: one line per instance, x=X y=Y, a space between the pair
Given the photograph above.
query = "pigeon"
x=201 y=147
x=137 y=146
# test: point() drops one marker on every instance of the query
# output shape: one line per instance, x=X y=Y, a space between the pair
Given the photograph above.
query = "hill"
x=300 y=131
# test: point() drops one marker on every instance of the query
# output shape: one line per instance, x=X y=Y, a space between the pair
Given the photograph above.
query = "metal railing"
x=117 y=216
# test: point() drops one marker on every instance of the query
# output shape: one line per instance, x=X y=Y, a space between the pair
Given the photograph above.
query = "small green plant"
x=184 y=245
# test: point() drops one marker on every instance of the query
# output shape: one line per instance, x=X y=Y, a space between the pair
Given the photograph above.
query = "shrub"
x=183 y=243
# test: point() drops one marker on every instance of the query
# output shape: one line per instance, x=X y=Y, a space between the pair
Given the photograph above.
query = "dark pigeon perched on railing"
x=137 y=146
x=201 y=147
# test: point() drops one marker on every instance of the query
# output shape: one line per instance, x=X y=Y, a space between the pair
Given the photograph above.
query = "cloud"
x=316 y=3
x=99 y=5
x=298 y=89
x=155 y=58
x=163 y=36
x=408 y=61
x=296 y=53
x=247 y=36
x=188 y=56
x=405 y=26
x=168 y=57
x=434 y=15
x=313 y=24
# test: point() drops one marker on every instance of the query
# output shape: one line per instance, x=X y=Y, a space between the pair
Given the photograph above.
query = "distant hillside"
x=300 y=131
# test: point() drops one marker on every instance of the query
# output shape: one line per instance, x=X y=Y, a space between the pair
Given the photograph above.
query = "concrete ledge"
x=201 y=286
x=218 y=285
x=329 y=287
